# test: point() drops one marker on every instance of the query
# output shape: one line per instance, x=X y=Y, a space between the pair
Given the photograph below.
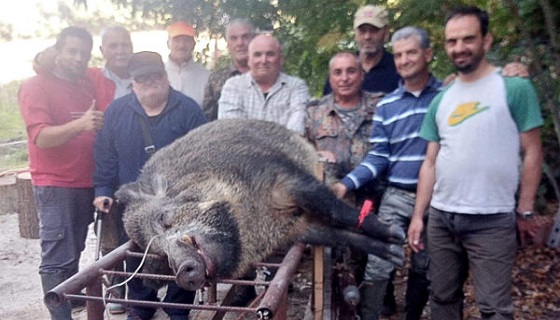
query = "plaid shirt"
x=284 y=103
x=214 y=88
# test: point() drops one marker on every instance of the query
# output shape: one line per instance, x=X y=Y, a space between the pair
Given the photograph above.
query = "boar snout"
x=191 y=275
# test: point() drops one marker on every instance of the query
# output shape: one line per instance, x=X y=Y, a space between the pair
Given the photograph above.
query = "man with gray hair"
x=265 y=92
x=397 y=151
x=239 y=32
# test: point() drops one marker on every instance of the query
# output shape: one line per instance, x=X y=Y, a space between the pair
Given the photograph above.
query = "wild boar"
x=229 y=193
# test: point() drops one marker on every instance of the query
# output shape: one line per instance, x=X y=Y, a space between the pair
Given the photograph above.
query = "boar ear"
x=142 y=190
x=129 y=192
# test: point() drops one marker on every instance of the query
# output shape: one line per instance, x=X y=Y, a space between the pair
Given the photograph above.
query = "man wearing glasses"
x=136 y=126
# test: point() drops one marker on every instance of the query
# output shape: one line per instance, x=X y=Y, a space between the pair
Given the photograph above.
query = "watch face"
x=526 y=215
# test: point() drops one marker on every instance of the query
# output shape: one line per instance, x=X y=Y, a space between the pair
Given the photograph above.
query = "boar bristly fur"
x=229 y=193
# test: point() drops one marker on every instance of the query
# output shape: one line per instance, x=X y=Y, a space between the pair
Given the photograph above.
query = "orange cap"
x=181 y=28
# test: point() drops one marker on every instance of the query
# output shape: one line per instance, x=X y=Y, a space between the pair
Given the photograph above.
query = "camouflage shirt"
x=343 y=134
x=214 y=89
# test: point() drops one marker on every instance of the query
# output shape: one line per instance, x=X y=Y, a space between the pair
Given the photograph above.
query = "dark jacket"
x=119 y=146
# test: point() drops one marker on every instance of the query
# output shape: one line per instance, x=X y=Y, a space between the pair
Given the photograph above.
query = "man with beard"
x=111 y=82
x=61 y=118
x=239 y=33
x=136 y=126
x=265 y=92
x=476 y=130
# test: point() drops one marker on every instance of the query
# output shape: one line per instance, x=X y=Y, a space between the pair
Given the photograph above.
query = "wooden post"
x=322 y=285
x=28 y=217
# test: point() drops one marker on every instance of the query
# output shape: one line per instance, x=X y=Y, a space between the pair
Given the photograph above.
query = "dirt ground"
x=536 y=282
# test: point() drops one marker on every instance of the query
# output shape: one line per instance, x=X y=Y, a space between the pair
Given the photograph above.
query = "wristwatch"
x=526 y=215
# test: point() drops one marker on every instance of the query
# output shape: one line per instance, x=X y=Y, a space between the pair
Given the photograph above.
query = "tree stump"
x=28 y=217
x=8 y=194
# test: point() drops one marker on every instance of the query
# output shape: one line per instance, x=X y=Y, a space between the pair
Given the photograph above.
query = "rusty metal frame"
x=272 y=303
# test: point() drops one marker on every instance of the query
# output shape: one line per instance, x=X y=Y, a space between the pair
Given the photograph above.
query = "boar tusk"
x=188 y=239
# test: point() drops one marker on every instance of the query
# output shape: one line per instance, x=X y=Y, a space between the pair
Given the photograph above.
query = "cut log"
x=28 y=217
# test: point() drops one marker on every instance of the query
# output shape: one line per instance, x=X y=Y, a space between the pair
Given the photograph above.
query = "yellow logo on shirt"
x=465 y=111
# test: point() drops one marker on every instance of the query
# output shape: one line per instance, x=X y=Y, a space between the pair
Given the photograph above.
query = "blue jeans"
x=487 y=245
x=64 y=215
x=396 y=209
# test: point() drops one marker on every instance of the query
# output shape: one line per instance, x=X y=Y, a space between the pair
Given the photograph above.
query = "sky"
x=21 y=12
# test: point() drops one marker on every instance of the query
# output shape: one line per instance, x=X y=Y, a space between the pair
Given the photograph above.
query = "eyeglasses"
x=150 y=77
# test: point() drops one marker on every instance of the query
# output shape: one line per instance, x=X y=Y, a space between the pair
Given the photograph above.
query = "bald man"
x=265 y=92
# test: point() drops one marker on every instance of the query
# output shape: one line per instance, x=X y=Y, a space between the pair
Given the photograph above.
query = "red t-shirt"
x=105 y=87
x=45 y=100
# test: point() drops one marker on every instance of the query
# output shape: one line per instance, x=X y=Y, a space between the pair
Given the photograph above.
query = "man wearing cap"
x=239 y=33
x=135 y=126
x=265 y=92
x=184 y=74
x=371 y=27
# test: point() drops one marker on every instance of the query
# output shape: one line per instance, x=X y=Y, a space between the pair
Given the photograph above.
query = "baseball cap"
x=145 y=62
x=374 y=15
x=180 y=28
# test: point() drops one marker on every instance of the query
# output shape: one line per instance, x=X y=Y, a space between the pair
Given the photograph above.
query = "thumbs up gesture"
x=92 y=119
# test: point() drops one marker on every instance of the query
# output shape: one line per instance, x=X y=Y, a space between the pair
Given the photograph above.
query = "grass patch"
x=12 y=128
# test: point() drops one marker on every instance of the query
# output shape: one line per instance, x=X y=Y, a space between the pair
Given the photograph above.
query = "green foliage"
x=11 y=123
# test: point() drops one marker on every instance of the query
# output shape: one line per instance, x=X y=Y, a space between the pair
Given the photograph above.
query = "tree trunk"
x=28 y=217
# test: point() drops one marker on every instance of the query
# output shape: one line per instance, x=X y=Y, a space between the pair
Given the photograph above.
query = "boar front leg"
x=314 y=197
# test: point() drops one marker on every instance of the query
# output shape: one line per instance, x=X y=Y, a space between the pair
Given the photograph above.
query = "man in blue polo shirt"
x=397 y=152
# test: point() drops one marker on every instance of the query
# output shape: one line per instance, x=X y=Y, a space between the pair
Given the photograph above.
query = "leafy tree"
x=311 y=31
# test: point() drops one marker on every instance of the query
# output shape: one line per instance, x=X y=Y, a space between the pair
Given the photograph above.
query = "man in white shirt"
x=184 y=74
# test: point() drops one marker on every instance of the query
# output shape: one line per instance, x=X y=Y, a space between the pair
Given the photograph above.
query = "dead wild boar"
x=229 y=193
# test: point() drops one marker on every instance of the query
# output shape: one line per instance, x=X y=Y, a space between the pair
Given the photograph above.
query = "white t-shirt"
x=477 y=126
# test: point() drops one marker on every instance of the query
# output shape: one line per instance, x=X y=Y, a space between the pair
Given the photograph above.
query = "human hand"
x=339 y=190
x=516 y=69
x=527 y=229
x=92 y=120
x=103 y=204
x=450 y=78
x=414 y=231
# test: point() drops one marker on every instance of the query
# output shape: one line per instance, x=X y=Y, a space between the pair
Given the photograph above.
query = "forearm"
x=532 y=171
x=54 y=136
x=426 y=181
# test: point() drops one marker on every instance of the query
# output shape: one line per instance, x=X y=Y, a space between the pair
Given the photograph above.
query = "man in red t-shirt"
x=61 y=117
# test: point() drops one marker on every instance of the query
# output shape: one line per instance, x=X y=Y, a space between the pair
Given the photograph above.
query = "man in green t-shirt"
x=476 y=129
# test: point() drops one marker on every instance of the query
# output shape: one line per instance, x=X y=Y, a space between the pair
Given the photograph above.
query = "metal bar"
x=554 y=236
x=154 y=304
x=271 y=302
x=86 y=276
x=172 y=278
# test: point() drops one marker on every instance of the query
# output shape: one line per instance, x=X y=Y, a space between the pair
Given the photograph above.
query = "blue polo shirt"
x=396 y=146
